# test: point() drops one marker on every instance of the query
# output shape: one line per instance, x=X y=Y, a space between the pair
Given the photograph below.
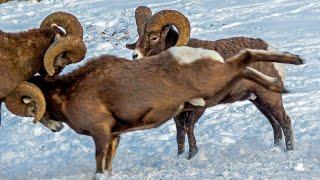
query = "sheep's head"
x=156 y=33
x=27 y=100
x=65 y=49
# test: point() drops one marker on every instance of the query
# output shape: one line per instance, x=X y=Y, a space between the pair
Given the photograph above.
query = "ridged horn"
x=74 y=34
x=74 y=48
x=171 y=17
x=68 y=21
x=15 y=104
x=142 y=14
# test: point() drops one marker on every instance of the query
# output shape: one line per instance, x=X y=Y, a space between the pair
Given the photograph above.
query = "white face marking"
x=186 y=55
x=52 y=125
x=197 y=102
x=137 y=54
x=278 y=66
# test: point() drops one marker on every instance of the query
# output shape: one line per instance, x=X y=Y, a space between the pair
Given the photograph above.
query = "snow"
x=235 y=141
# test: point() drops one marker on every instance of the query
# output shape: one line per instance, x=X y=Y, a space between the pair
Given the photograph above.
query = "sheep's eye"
x=154 y=38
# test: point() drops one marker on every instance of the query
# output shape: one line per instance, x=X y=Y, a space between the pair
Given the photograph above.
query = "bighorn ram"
x=157 y=34
x=21 y=56
x=110 y=95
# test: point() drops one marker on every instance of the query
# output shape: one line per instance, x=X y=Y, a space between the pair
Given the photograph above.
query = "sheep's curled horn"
x=171 y=17
x=72 y=44
x=15 y=104
x=142 y=14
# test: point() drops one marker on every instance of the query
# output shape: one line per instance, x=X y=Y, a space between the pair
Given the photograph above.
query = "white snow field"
x=235 y=141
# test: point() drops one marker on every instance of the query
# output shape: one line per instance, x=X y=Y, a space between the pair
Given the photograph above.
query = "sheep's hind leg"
x=275 y=107
x=180 y=120
x=193 y=117
x=112 y=152
x=277 y=132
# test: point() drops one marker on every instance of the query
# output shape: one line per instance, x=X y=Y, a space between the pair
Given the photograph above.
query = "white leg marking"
x=197 y=102
x=186 y=55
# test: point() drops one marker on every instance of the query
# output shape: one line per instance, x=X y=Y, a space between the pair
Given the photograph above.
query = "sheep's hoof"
x=180 y=151
x=289 y=147
x=192 y=152
x=277 y=142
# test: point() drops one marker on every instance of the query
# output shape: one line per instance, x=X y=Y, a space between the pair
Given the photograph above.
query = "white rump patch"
x=186 y=55
x=280 y=67
x=197 y=102
x=137 y=53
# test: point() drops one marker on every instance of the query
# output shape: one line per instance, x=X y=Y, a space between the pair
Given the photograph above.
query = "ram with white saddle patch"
x=157 y=33
x=110 y=95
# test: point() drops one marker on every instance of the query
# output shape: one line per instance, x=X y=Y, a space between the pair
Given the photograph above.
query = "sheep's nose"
x=134 y=56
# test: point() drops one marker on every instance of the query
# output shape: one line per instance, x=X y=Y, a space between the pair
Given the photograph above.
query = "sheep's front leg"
x=180 y=120
x=102 y=140
x=112 y=152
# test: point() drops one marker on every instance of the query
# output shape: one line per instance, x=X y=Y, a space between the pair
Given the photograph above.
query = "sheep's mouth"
x=54 y=126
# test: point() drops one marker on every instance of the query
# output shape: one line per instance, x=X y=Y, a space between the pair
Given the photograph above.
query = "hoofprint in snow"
x=235 y=141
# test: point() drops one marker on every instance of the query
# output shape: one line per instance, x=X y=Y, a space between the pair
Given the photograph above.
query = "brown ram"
x=110 y=95
x=22 y=54
x=156 y=34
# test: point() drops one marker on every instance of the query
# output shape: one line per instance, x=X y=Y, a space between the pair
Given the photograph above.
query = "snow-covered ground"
x=235 y=141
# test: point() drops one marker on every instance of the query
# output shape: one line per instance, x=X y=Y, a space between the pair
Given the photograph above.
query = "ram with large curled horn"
x=156 y=34
x=24 y=54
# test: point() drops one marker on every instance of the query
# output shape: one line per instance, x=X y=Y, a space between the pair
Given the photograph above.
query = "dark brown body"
x=269 y=103
x=21 y=56
x=156 y=34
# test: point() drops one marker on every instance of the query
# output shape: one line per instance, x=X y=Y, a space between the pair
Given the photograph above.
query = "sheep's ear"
x=131 y=46
x=165 y=30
